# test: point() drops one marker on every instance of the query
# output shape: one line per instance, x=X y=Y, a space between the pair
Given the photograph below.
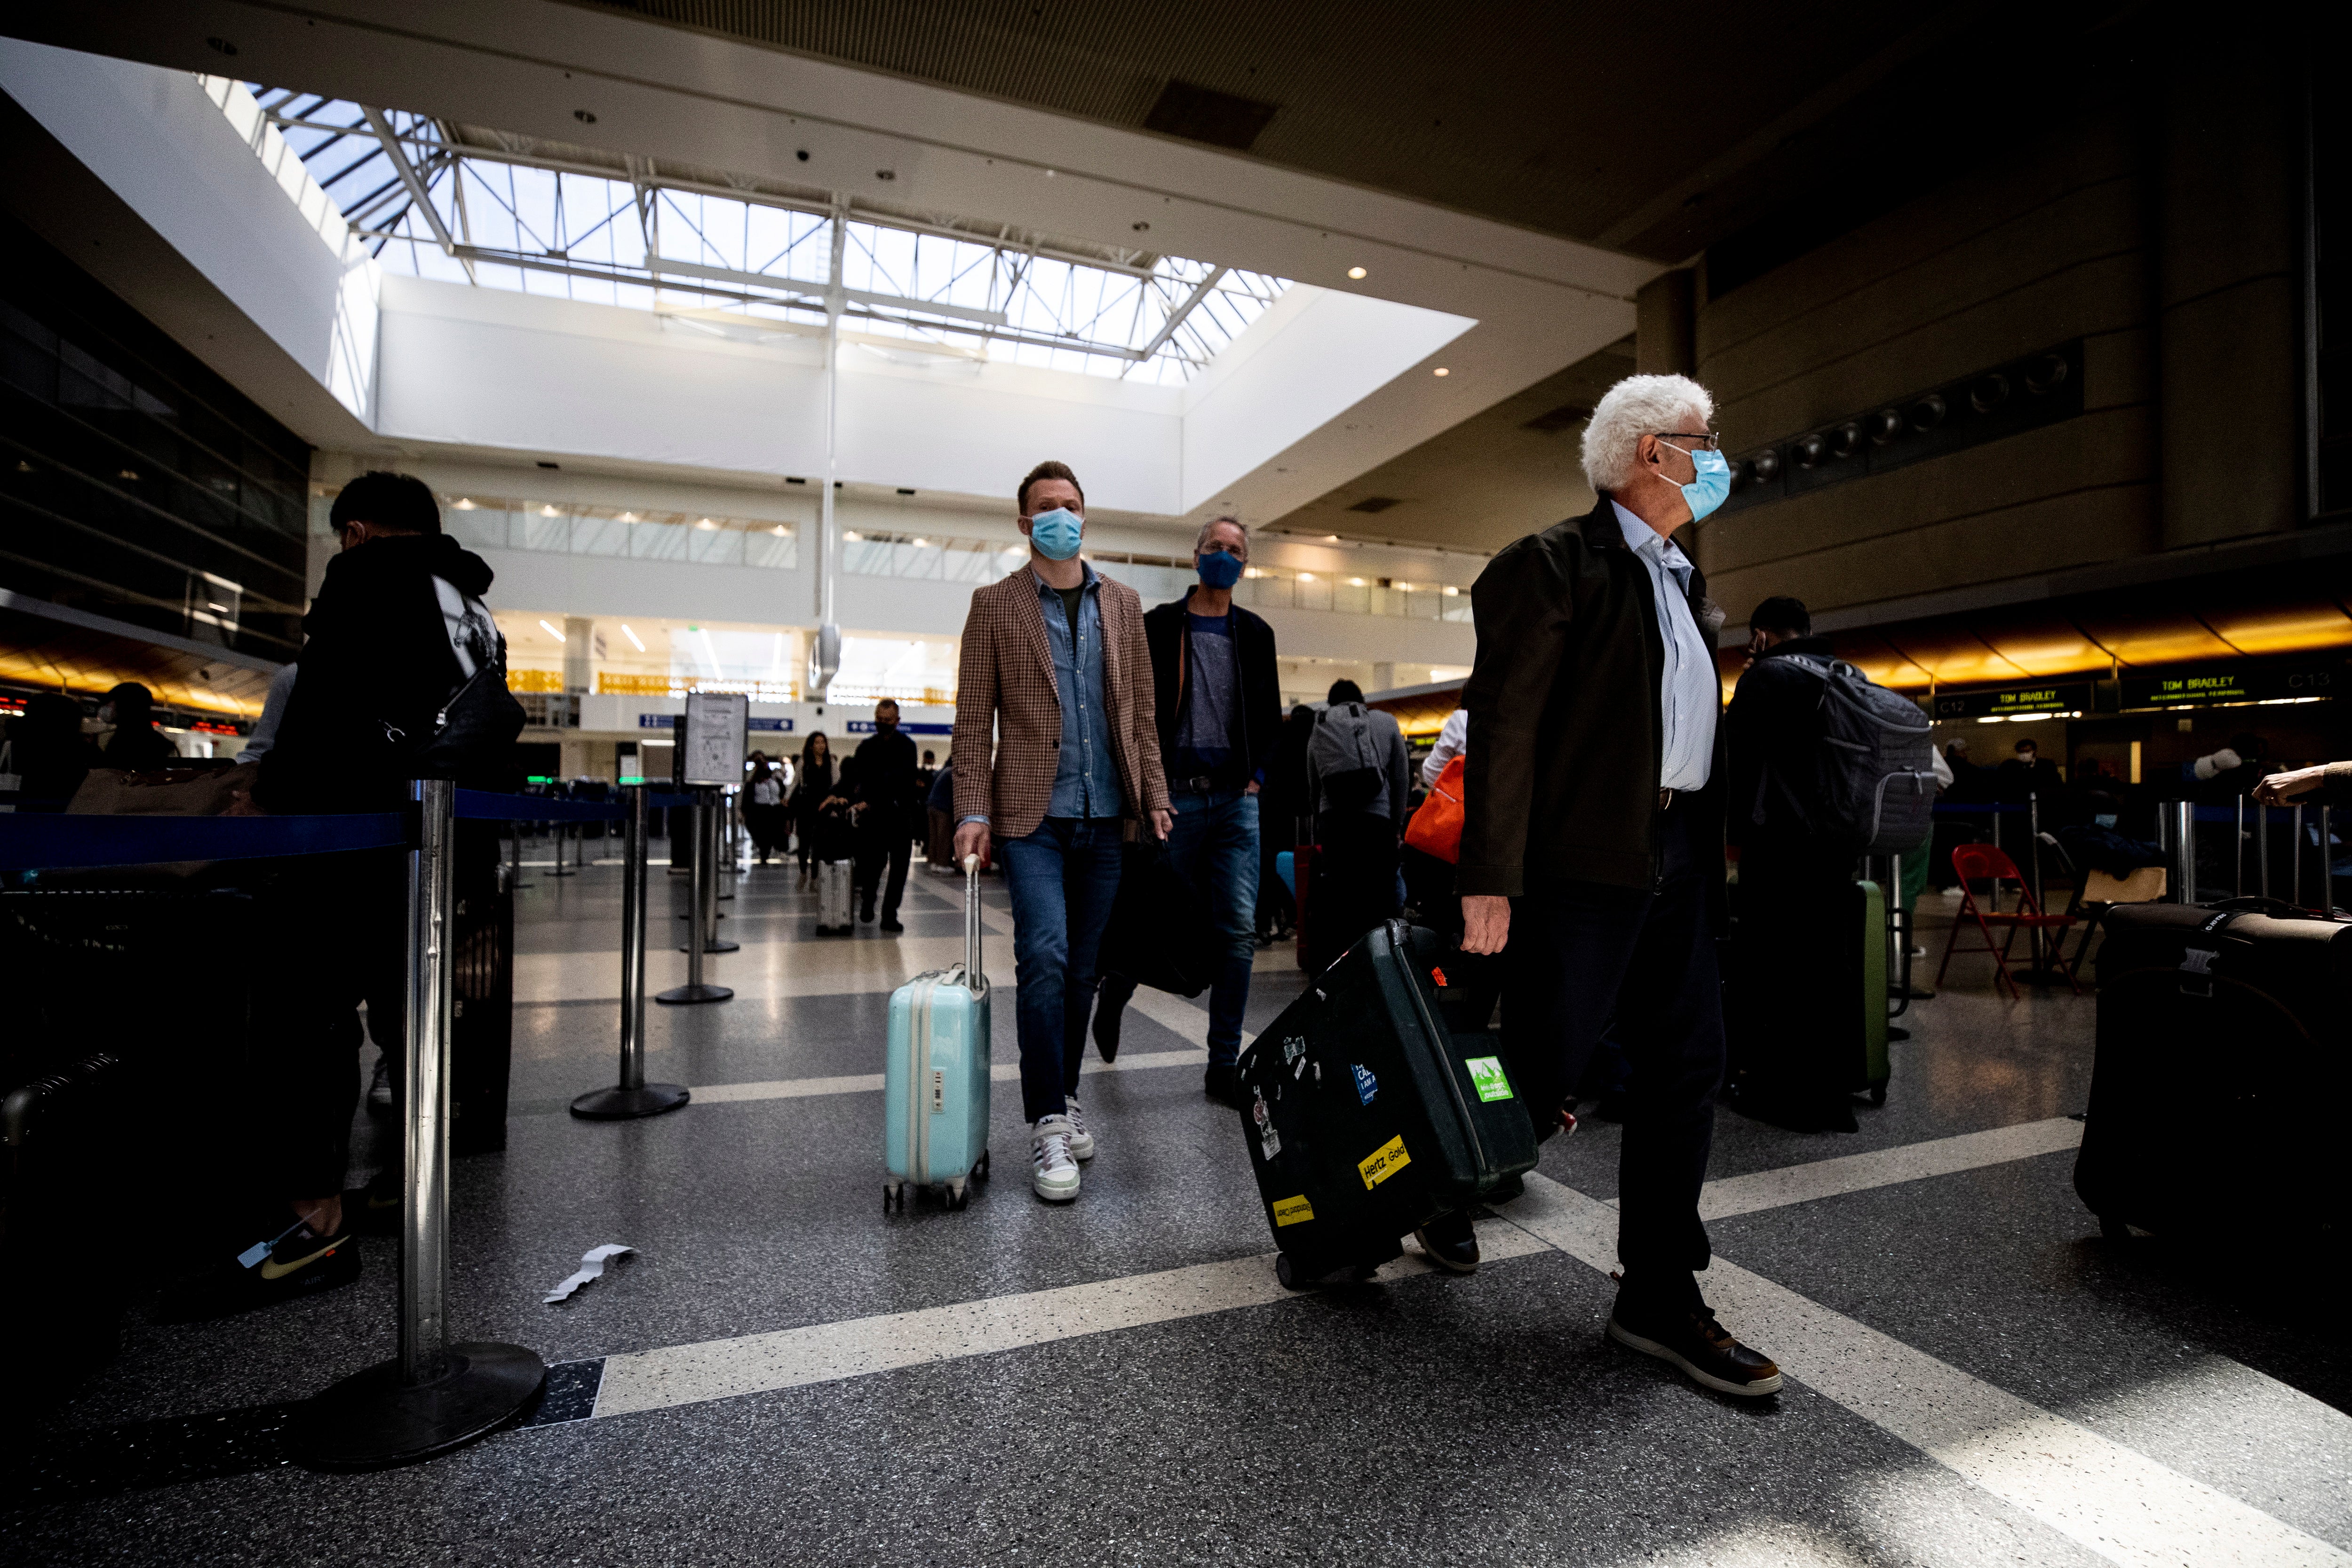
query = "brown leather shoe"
x=1700 y=1346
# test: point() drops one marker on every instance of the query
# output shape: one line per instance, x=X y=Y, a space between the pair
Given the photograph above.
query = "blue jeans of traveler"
x=1580 y=954
x=1063 y=879
x=1214 y=848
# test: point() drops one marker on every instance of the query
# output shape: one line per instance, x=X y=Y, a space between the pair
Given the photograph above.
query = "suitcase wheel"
x=1877 y=1094
x=1291 y=1277
x=1362 y=1271
x=894 y=1195
x=959 y=1195
x=980 y=1172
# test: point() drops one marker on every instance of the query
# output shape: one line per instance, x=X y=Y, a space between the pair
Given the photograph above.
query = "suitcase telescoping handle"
x=972 y=973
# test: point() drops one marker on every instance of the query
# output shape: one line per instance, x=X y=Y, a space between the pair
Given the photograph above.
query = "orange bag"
x=1436 y=829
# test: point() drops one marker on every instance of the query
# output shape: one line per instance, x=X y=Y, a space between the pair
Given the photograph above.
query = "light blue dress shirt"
x=1688 y=690
x=1085 y=776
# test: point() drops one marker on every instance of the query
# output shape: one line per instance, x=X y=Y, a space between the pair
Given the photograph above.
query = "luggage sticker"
x=1293 y=1049
x=1367 y=1086
x=1486 y=1077
x=1292 y=1211
x=1384 y=1163
x=939 y=1092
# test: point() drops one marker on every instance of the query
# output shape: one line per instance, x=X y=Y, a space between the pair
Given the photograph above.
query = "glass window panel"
x=540 y=532
x=477 y=529
x=600 y=536
x=713 y=546
x=765 y=547
x=659 y=542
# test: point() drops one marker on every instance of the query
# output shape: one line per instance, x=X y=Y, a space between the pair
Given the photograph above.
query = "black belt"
x=1202 y=785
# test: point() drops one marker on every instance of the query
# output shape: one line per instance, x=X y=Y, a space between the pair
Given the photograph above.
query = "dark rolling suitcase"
x=1161 y=933
x=1367 y=1115
x=2222 y=1063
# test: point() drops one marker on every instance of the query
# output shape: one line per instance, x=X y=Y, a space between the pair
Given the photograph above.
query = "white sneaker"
x=1082 y=1143
x=1052 y=1170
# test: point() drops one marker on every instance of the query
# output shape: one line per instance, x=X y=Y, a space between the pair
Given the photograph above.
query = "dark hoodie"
x=376 y=657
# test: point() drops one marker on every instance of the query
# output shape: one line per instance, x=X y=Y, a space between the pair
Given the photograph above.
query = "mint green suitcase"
x=936 y=1078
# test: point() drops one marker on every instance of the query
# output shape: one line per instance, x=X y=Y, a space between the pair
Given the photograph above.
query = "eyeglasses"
x=1707 y=441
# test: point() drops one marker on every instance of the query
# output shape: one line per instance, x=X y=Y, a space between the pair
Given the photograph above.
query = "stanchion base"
x=560 y=871
x=621 y=1104
x=368 y=1421
x=678 y=994
x=719 y=945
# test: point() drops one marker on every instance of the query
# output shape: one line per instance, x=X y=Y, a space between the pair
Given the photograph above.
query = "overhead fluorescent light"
x=632 y=636
x=551 y=631
x=1356 y=272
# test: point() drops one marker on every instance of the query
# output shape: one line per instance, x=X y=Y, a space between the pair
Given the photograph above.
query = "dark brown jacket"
x=1560 y=771
x=1004 y=683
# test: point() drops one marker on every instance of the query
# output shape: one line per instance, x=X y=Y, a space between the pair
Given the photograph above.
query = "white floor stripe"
x=827 y=1353
x=1885 y=1167
x=871 y=1083
x=2112 y=1500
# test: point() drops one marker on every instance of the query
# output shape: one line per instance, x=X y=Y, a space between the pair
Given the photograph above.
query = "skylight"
x=473 y=206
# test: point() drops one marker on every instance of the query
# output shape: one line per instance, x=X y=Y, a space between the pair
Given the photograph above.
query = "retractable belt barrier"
x=435 y=1394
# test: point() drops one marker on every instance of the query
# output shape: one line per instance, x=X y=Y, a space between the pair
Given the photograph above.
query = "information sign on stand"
x=710 y=749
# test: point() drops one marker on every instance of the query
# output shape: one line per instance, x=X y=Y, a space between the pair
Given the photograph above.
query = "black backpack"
x=1874 y=779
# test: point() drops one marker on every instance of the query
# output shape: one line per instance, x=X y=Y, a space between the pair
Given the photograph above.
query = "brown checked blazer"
x=1004 y=683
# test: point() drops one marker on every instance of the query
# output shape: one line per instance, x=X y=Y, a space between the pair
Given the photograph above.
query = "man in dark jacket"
x=1592 y=840
x=1788 y=1032
x=397 y=627
x=1218 y=702
x=888 y=796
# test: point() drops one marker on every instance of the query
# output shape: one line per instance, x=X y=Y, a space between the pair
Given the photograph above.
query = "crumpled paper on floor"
x=591 y=1267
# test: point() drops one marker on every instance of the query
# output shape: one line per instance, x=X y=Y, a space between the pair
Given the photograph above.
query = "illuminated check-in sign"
x=2251 y=683
x=2057 y=697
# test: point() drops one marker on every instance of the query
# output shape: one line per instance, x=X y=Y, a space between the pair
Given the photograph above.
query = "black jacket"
x=375 y=653
x=886 y=775
x=1560 y=771
x=1773 y=739
x=1167 y=632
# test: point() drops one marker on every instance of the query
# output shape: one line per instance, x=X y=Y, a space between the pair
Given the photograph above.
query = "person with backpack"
x=1796 y=866
x=403 y=676
x=1359 y=777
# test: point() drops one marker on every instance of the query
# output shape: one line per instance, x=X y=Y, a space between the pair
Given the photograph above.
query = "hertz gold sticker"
x=1384 y=1163
x=1292 y=1211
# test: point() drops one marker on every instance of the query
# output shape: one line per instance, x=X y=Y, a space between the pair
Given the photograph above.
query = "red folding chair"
x=1974 y=863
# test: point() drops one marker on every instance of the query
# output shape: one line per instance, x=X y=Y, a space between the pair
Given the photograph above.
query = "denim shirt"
x=1689 y=691
x=1085 y=776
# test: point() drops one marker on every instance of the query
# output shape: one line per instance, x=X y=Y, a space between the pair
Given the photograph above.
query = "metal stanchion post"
x=715 y=875
x=2238 y=854
x=2033 y=854
x=2263 y=851
x=2326 y=864
x=433 y=1396
x=726 y=850
x=2295 y=862
x=2184 y=852
x=514 y=858
x=633 y=1096
x=561 y=869
x=700 y=890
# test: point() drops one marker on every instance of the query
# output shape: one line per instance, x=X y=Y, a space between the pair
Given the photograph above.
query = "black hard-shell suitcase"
x=1367 y=1115
x=481 y=1047
x=2222 y=1065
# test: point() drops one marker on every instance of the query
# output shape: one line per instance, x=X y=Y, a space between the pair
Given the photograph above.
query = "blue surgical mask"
x=1713 y=483
x=1055 y=533
x=1220 y=570
x=2105 y=820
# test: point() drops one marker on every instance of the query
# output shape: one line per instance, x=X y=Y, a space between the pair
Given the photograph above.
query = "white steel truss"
x=485 y=207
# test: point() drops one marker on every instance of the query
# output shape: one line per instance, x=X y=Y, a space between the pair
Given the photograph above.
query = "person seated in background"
x=46 y=750
x=1358 y=777
x=130 y=710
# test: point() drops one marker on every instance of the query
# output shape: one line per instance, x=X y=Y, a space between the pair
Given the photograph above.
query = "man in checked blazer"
x=1055 y=684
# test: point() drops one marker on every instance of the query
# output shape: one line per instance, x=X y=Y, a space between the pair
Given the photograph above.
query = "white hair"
x=1209 y=527
x=1636 y=406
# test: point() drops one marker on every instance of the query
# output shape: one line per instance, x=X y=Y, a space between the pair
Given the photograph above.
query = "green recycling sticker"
x=1486 y=1077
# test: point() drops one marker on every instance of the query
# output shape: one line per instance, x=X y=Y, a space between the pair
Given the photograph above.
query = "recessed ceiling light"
x=1355 y=272
x=919 y=544
x=1355 y=582
x=706 y=523
x=548 y=512
x=779 y=531
x=464 y=505
x=1451 y=592
x=1441 y=370
x=628 y=517
x=1330 y=539
x=1307 y=577
x=849 y=533
x=551 y=631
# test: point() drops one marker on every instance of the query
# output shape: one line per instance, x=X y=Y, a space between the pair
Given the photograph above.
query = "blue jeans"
x=1214 y=848
x=1063 y=879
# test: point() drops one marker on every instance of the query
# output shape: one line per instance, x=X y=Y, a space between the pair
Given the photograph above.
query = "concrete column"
x=2229 y=290
x=1384 y=677
x=1665 y=330
x=579 y=650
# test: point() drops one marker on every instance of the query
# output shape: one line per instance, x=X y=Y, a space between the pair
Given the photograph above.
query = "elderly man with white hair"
x=1592 y=844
